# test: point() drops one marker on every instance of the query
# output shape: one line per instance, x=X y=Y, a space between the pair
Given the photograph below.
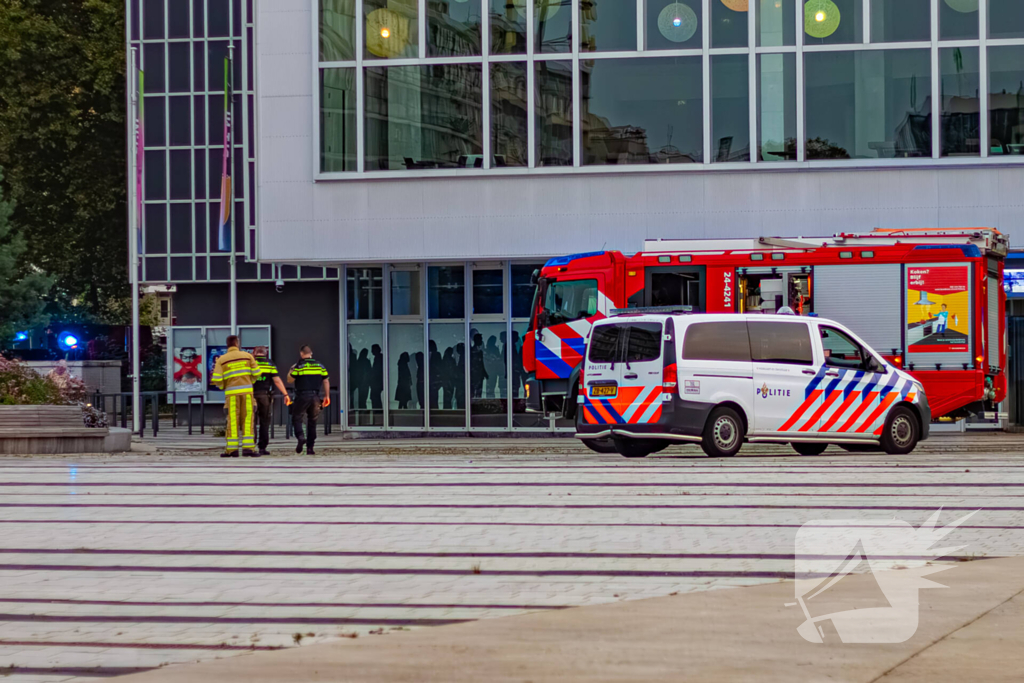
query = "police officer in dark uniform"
x=308 y=376
x=263 y=392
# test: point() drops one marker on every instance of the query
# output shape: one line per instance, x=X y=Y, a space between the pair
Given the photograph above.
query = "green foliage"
x=21 y=293
x=20 y=385
x=62 y=142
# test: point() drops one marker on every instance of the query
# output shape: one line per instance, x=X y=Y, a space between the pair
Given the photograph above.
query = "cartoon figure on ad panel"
x=938 y=309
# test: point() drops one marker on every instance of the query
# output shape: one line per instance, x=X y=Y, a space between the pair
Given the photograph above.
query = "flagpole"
x=133 y=244
x=231 y=197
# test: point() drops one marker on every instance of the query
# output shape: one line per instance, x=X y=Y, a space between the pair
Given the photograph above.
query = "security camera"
x=279 y=285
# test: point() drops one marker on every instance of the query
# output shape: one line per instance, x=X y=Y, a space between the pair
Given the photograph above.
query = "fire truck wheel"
x=809 y=448
x=635 y=448
x=900 y=434
x=600 y=445
x=723 y=433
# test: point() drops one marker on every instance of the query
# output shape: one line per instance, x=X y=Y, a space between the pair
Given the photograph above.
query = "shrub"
x=20 y=385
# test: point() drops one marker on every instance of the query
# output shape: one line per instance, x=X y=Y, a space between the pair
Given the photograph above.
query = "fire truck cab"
x=929 y=300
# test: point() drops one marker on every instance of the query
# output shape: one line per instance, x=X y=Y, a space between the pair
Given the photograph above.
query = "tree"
x=62 y=142
x=22 y=288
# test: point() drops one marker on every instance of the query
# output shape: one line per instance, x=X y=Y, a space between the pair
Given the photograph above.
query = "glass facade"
x=508 y=85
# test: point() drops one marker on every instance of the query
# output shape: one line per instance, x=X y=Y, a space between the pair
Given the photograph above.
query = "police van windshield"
x=625 y=342
x=569 y=300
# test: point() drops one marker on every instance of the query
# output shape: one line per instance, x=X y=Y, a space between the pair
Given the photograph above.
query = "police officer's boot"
x=301 y=445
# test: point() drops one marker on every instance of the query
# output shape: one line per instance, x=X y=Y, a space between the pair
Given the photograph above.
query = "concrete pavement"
x=971 y=631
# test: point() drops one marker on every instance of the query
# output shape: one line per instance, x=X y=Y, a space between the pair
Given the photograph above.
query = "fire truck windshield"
x=569 y=300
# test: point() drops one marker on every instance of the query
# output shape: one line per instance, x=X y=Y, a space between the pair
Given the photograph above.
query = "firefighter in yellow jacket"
x=234 y=373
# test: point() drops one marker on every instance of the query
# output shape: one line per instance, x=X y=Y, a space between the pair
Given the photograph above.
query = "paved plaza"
x=116 y=564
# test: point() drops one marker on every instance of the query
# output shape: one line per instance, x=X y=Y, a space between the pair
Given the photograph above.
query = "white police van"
x=653 y=379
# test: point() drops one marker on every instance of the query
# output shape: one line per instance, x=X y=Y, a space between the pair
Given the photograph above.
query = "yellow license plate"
x=604 y=391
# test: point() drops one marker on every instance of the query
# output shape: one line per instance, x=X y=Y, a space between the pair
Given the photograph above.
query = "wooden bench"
x=48 y=430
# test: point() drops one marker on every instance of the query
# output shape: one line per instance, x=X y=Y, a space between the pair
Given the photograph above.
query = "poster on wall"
x=1013 y=283
x=188 y=370
x=938 y=309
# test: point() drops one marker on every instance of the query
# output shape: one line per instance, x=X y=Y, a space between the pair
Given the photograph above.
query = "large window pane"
x=776 y=107
x=365 y=294
x=405 y=292
x=553 y=128
x=488 y=292
x=607 y=25
x=509 y=122
x=392 y=28
x=523 y=289
x=365 y=375
x=453 y=28
x=900 y=20
x=337 y=120
x=420 y=117
x=508 y=28
x=642 y=111
x=833 y=21
x=729 y=23
x=488 y=376
x=961 y=111
x=552 y=24
x=958 y=19
x=405 y=375
x=672 y=25
x=1006 y=99
x=730 y=108
x=776 y=23
x=868 y=105
x=446 y=292
x=1005 y=19
x=447 y=375
x=337 y=30
x=517 y=386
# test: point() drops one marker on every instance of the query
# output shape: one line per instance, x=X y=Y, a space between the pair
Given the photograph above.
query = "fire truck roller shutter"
x=994 y=341
x=866 y=298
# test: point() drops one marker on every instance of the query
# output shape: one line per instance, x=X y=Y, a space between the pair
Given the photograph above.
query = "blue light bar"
x=566 y=260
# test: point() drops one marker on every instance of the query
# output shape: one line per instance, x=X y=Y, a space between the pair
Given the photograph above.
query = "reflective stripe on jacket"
x=235 y=371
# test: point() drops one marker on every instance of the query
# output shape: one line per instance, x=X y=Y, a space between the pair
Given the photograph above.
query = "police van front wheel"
x=901 y=431
x=723 y=433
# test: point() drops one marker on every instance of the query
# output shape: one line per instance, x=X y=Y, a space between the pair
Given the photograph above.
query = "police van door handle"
x=631 y=375
x=832 y=373
x=810 y=372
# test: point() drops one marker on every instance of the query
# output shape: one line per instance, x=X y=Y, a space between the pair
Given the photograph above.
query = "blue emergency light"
x=67 y=341
x=20 y=336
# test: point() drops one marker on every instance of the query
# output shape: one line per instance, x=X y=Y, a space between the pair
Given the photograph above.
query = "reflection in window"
x=406 y=368
x=730 y=108
x=776 y=107
x=672 y=25
x=488 y=375
x=607 y=25
x=453 y=28
x=405 y=292
x=570 y=300
x=392 y=28
x=775 y=25
x=508 y=28
x=420 y=117
x=365 y=375
x=337 y=120
x=868 y=105
x=959 y=132
x=509 y=122
x=958 y=19
x=895 y=21
x=337 y=30
x=488 y=291
x=552 y=24
x=729 y=23
x=365 y=294
x=1006 y=99
x=447 y=380
x=523 y=289
x=833 y=21
x=517 y=384
x=642 y=111
x=1005 y=19
x=553 y=127
x=446 y=292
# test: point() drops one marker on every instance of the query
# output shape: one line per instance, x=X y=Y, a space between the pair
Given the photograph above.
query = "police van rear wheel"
x=809 y=448
x=900 y=434
x=600 y=445
x=723 y=433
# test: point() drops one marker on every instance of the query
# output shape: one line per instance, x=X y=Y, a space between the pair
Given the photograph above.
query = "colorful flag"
x=139 y=158
x=226 y=196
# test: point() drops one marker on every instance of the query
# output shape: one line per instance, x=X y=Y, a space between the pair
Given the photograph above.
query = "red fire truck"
x=930 y=299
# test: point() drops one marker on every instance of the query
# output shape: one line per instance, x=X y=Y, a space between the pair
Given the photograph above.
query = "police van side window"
x=841 y=351
x=717 y=341
x=779 y=342
x=604 y=344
